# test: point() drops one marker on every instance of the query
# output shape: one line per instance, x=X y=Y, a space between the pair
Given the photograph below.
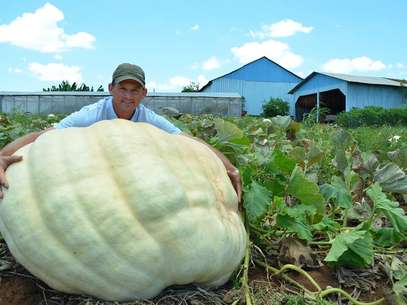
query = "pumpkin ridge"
x=39 y=207
x=97 y=138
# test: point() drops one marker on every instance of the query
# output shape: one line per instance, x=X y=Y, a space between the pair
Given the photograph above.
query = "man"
x=127 y=91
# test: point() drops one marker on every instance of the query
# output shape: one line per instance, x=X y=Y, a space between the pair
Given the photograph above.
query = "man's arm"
x=7 y=158
x=232 y=171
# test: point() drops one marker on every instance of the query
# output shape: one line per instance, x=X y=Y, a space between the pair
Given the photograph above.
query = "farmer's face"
x=127 y=95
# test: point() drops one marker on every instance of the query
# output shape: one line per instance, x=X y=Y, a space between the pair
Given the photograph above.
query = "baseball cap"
x=128 y=71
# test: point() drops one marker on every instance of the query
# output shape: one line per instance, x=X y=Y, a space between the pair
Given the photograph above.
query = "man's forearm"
x=12 y=147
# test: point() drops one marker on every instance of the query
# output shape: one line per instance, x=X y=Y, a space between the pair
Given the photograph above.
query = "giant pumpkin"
x=121 y=210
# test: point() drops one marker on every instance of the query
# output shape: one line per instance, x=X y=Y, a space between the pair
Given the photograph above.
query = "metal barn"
x=257 y=82
x=341 y=92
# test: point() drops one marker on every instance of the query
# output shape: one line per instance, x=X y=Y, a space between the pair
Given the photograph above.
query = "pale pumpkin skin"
x=121 y=210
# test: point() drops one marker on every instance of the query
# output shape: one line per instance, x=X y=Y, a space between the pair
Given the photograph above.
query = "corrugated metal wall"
x=68 y=102
x=361 y=95
x=257 y=82
x=255 y=93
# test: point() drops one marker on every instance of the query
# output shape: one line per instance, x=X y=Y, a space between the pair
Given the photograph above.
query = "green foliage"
x=17 y=124
x=315 y=116
x=274 y=107
x=372 y=116
x=353 y=249
x=316 y=183
x=380 y=140
x=256 y=201
x=192 y=87
x=66 y=86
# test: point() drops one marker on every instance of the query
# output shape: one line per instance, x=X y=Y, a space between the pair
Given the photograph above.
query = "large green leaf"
x=328 y=191
x=340 y=160
x=370 y=162
x=387 y=237
x=343 y=196
x=281 y=163
x=326 y=224
x=229 y=132
x=256 y=201
x=400 y=291
x=342 y=138
x=353 y=249
x=391 y=178
x=281 y=122
x=391 y=209
x=399 y=157
x=295 y=225
x=314 y=155
x=306 y=191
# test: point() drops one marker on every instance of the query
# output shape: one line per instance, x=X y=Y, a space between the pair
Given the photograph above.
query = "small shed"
x=257 y=82
x=341 y=92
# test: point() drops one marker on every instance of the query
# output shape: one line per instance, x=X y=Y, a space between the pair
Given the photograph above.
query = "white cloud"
x=211 y=63
x=195 y=27
x=39 y=31
x=58 y=57
x=202 y=80
x=275 y=50
x=400 y=66
x=357 y=64
x=179 y=81
x=14 y=70
x=56 y=72
x=175 y=84
x=283 y=28
x=301 y=74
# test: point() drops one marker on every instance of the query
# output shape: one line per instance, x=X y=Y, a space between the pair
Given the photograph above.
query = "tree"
x=66 y=86
x=192 y=87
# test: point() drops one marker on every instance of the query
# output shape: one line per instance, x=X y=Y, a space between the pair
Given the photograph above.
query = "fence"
x=226 y=104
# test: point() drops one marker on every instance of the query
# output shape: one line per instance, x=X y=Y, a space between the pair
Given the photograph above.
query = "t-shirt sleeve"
x=162 y=123
x=82 y=118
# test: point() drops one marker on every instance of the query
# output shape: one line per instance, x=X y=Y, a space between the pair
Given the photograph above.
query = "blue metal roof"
x=382 y=81
x=260 y=70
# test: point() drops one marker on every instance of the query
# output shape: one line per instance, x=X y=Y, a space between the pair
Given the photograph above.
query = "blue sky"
x=176 y=42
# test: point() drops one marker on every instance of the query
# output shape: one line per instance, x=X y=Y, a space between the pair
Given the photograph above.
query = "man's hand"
x=5 y=161
x=234 y=177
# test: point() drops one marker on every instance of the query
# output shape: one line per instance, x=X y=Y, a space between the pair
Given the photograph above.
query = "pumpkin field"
x=324 y=210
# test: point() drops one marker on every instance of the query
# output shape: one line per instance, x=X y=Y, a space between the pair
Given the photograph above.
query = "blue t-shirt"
x=103 y=110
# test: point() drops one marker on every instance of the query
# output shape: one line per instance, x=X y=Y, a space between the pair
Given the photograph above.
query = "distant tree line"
x=66 y=86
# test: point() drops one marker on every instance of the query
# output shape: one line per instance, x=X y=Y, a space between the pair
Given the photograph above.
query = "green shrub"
x=314 y=116
x=275 y=106
x=372 y=116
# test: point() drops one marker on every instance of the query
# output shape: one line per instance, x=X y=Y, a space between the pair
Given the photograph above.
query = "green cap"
x=128 y=71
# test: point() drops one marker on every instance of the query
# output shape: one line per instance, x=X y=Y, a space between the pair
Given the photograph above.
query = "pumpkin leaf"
x=353 y=249
x=229 y=132
x=281 y=163
x=389 y=208
x=281 y=122
x=295 y=225
x=256 y=201
x=399 y=157
x=387 y=237
x=343 y=196
x=306 y=191
x=391 y=178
